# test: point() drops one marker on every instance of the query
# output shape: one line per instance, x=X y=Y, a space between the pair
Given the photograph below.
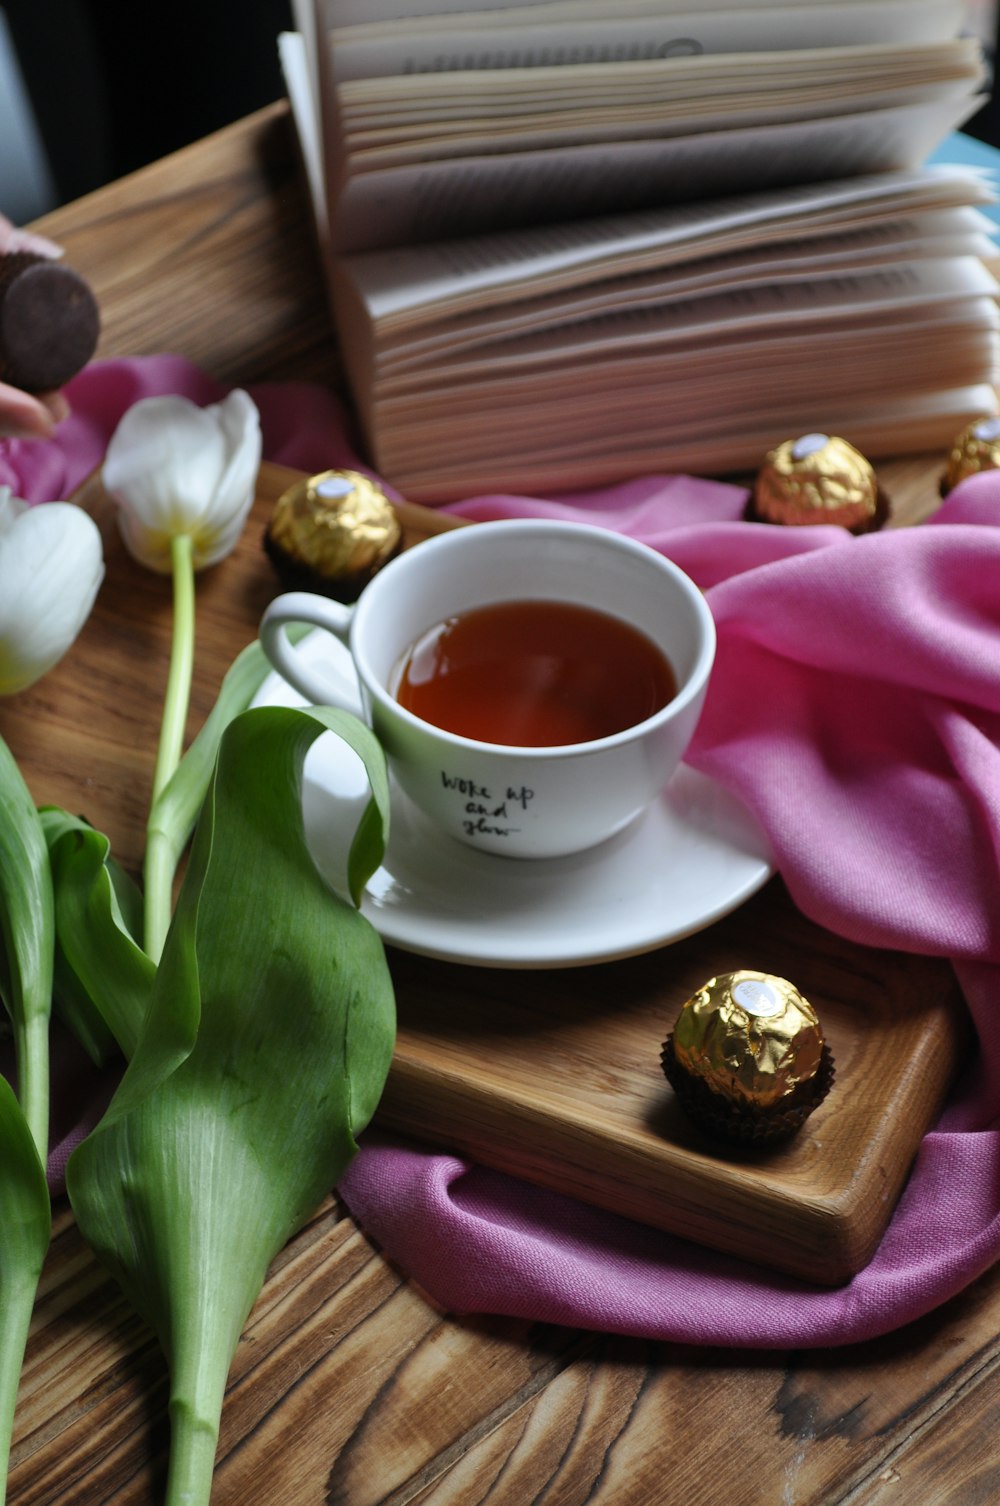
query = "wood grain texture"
x=350 y=1389
x=210 y=254
x=349 y=1386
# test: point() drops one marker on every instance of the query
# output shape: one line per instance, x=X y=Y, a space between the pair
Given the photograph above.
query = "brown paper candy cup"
x=743 y=1124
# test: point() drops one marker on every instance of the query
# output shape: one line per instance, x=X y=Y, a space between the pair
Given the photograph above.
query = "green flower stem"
x=31 y=1045
x=159 y=867
x=26 y=1224
x=15 y=1320
x=198 y=1377
x=27 y=942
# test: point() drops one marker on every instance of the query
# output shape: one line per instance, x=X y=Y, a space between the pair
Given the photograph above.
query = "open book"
x=570 y=241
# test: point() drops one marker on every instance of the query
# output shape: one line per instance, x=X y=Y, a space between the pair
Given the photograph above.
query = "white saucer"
x=692 y=858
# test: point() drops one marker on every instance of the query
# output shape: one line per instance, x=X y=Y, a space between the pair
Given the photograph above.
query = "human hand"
x=22 y=414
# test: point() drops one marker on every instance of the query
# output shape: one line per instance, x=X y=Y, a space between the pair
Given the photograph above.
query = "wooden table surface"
x=349 y=1387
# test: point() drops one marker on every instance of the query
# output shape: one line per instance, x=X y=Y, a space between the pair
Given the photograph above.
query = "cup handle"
x=332 y=685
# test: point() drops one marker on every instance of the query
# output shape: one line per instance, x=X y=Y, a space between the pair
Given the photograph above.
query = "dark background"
x=116 y=84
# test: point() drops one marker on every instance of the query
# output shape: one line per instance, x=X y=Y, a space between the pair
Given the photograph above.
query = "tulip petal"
x=177 y=469
x=51 y=565
x=163 y=460
x=11 y=508
x=239 y=421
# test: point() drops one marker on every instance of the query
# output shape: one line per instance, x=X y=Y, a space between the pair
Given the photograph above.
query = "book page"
x=424 y=283
x=955 y=233
x=295 y=69
x=427 y=103
x=378 y=151
x=581 y=423
x=435 y=201
x=693 y=390
x=687 y=392
x=358 y=12
x=845 y=297
x=603 y=37
x=581 y=420
x=442 y=12
x=723 y=442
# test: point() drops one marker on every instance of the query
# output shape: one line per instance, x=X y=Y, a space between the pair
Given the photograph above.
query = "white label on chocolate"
x=808 y=445
x=757 y=997
x=988 y=429
x=335 y=486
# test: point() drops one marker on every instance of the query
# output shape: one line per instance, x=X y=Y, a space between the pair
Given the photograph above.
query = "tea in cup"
x=534 y=684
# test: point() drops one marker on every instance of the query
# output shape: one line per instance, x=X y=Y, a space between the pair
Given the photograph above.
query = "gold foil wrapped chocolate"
x=332 y=532
x=818 y=478
x=749 y=1035
x=976 y=449
x=747 y=1057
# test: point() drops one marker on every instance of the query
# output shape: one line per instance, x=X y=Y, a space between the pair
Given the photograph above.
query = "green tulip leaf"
x=27 y=939
x=176 y=808
x=103 y=978
x=27 y=930
x=263 y=1054
x=76 y=1009
x=25 y=1220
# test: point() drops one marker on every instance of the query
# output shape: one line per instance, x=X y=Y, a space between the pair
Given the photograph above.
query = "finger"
x=26 y=417
x=57 y=404
x=13 y=239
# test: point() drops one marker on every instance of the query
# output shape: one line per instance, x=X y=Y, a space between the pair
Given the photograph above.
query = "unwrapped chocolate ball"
x=976 y=449
x=49 y=322
x=747 y=1057
x=331 y=533
x=818 y=478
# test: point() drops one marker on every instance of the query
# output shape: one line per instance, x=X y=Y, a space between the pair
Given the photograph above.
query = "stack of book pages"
x=573 y=241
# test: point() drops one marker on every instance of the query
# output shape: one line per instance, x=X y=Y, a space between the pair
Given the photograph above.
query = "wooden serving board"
x=556 y=1078
x=554 y=1075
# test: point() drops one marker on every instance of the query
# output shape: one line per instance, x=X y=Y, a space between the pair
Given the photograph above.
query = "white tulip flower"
x=51 y=565
x=184 y=479
x=177 y=470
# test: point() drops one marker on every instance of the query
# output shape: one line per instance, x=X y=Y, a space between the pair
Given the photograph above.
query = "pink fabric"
x=855 y=706
x=79 y=1095
x=303 y=425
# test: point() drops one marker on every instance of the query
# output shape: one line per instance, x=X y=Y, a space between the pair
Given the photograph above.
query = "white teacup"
x=526 y=802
